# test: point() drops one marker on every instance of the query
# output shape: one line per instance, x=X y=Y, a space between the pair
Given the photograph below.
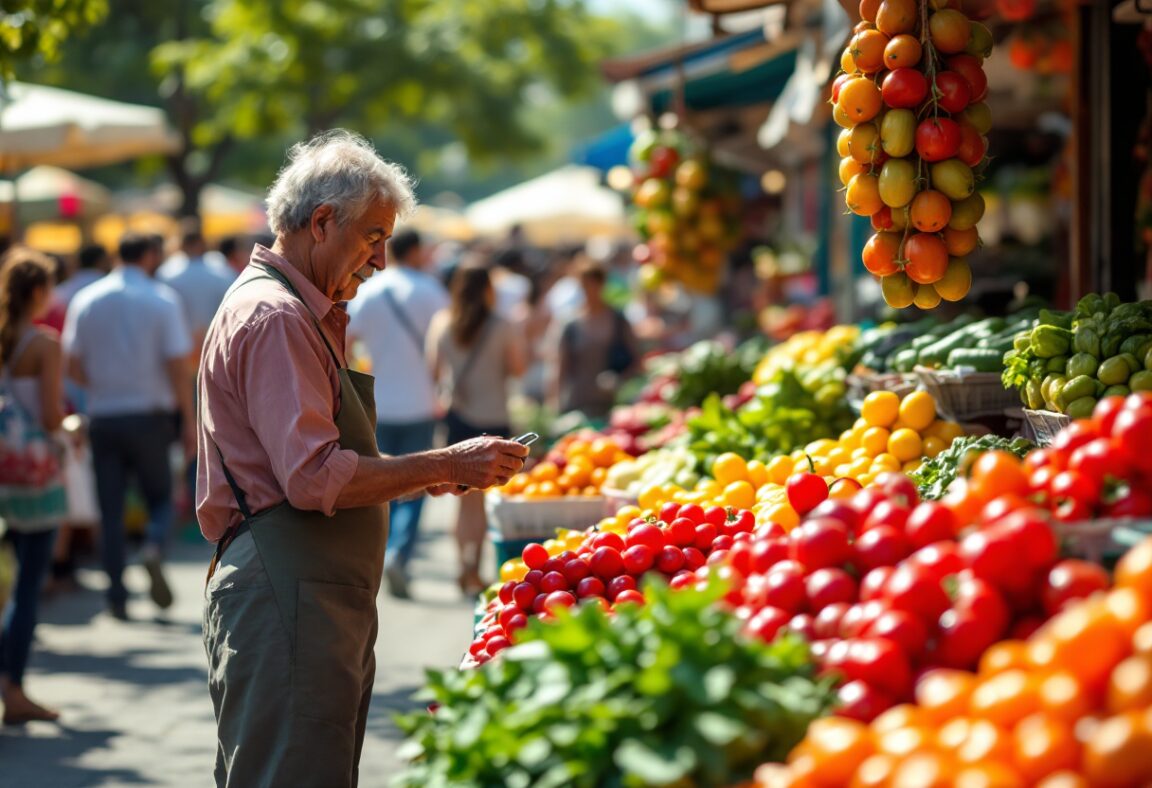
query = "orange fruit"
x=1042 y=745
x=603 y=452
x=1005 y=698
x=1087 y=623
x=1118 y=752
x=549 y=489
x=896 y=16
x=1002 y=656
x=924 y=770
x=993 y=774
x=1067 y=778
x=986 y=741
x=860 y=101
x=943 y=694
x=1130 y=685
x=545 y=471
x=838 y=745
x=868 y=50
x=874 y=772
x=1134 y=570
x=902 y=51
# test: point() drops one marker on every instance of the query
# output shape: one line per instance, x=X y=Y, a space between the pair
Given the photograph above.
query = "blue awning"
x=607 y=150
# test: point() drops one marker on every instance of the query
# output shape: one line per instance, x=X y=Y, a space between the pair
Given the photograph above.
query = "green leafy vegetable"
x=665 y=694
x=935 y=474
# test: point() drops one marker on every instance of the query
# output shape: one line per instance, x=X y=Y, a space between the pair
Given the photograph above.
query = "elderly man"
x=291 y=486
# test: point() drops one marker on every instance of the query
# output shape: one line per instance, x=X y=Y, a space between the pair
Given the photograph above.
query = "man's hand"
x=485 y=462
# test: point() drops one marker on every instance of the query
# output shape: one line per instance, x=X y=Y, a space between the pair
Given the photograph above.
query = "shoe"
x=118 y=610
x=160 y=592
x=397 y=581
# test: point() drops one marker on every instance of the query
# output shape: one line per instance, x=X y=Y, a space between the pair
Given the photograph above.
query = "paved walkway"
x=133 y=695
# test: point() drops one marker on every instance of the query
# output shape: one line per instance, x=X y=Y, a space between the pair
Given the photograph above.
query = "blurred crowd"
x=99 y=354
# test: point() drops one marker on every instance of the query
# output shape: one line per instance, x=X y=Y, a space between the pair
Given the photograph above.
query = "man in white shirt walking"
x=126 y=341
x=199 y=279
x=391 y=316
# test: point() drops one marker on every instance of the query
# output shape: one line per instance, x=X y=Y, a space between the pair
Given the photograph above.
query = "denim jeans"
x=124 y=447
x=33 y=556
x=394 y=440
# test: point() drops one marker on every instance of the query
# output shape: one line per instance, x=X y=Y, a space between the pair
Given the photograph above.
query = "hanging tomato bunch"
x=911 y=103
x=686 y=212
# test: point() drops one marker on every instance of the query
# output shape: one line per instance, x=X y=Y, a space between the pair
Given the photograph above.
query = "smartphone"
x=527 y=439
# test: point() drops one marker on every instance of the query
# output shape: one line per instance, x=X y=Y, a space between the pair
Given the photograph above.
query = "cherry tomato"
x=939 y=559
x=534 y=555
x=930 y=522
x=804 y=625
x=606 y=563
x=821 y=542
x=1071 y=485
x=955 y=93
x=872 y=584
x=990 y=555
x=1029 y=531
x=1105 y=413
x=1132 y=502
x=859 y=700
x=865 y=500
x=973 y=146
x=897 y=487
x=829 y=621
x=961 y=639
x=844 y=511
x=767 y=623
x=1074 y=436
x=881 y=545
x=903 y=629
x=706 y=534
x=784 y=588
x=681 y=532
x=589 y=587
x=879 y=662
x=829 y=586
x=970 y=68
x=1098 y=459
x=904 y=88
x=805 y=491
x=857 y=618
x=937 y=139
x=553 y=581
x=1070 y=580
x=914 y=589
x=1132 y=433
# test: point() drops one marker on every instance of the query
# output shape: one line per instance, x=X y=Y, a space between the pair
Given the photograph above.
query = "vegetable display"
x=687 y=378
x=665 y=693
x=935 y=474
x=1071 y=705
x=1067 y=361
x=911 y=103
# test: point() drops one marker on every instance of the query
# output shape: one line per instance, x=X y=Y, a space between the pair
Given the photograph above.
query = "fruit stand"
x=912 y=553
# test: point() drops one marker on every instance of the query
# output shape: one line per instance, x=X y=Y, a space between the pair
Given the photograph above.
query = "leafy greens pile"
x=669 y=693
x=935 y=474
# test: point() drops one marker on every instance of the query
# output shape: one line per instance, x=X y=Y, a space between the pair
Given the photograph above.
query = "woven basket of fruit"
x=966 y=395
x=516 y=518
x=1044 y=424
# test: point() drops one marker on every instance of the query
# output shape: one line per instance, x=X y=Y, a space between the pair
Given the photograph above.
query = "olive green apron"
x=290 y=626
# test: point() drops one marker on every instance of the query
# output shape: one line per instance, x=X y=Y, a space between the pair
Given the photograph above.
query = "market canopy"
x=568 y=204
x=49 y=193
x=45 y=125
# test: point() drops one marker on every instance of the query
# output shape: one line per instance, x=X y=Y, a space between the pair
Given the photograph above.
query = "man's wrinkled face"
x=347 y=254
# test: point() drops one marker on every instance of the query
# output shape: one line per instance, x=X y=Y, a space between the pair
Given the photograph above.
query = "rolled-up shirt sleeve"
x=287 y=389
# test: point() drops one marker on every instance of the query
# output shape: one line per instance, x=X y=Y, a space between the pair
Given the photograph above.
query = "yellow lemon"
x=880 y=408
x=730 y=467
x=918 y=410
x=905 y=445
x=875 y=440
x=739 y=494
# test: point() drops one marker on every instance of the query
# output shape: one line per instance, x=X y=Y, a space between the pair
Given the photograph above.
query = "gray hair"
x=338 y=168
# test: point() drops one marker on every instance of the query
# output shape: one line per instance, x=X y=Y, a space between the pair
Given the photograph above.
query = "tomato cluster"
x=607 y=567
x=1071 y=705
x=911 y=103
x=684 y=213
x=881 y=587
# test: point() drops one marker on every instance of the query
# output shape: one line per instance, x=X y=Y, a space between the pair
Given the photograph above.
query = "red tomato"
x=706 y=534
x=534 y=577
x=844 y=511
x=576 y=570
x=804 y=625
x=961 y=639
x=669 y=512
x=505 y=594
x=1132 y=502
x=784 y=588
x=829 y=586
x=590 y=586
x=767 y=623
x=821 y=542
x=523 y=595
x=939 y=560
x=914 y=589
x=1070 y=580
x=606 y=563
x=930 y=522
x=662 y=161
x=553 y=601
x=857 y=618
x=1132 y=433
x=897 y=486
x=670 y=560
x=1105 y=413
x=717 y=515
x=973 y=146
x=1016 y=10
x=887 y=513
x=1002 y=505
x=1040 y=482
x=882 y=545
x=837 y=84
x=619 y=584
x=680 y=532
x=693 y=558
x=534 y=555
x=608 y=539
x=1043 y=458
x=903 y=629
x=970 y=68
x=647 y=535
x=955 y=94
x=865 y=500
x=1029 y=531
x=872 y=584
x=904 y=88
x=859 y=700
x=693 y=511
x=990 y=555
x=1072 y=510
x=553 y=581
x=829 y=621
x=879 y=662
x=766 y=553
x=805 y=491
x=1074 y=436
x=937 y=139
x=1072 y=485
x=629 y=596
x=1098 y=459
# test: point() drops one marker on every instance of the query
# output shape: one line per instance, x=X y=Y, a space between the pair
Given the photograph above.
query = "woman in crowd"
x=475 y=354
x=32 y=373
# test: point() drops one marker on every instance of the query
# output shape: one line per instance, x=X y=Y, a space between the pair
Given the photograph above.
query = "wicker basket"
x=861 y=384
x=961 y=396
x=1044 y=424
x=511 y=518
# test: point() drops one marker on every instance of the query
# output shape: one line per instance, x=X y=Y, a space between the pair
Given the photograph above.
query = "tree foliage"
x=30 y=28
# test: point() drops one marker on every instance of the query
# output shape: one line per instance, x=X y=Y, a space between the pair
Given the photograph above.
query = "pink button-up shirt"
x=269 y=392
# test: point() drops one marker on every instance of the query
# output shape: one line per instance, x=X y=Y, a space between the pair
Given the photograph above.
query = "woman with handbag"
x=474 y=355
x=31 y=384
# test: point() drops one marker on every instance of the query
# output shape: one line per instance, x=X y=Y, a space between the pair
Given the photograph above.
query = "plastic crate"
x=962 y=396
x=539 y=518
x=1044 y=424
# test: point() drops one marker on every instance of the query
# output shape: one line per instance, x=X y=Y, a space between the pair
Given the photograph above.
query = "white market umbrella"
x=567 y=204
x=44 y=125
